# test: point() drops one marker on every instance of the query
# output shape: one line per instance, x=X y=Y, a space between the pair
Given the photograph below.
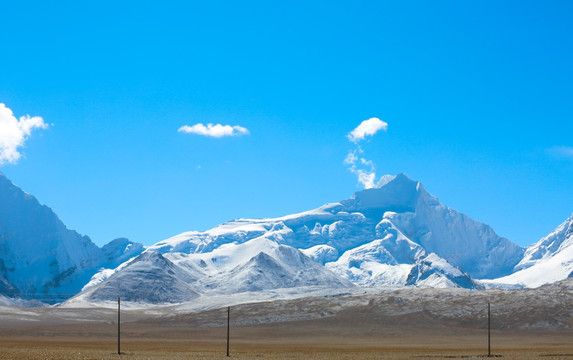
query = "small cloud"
x=367 y=128
x=365 y=170
x=561 y=152
x=370 y=163
x=366 y=178
x=351 y=158
x=214 y=130
x=14 y=133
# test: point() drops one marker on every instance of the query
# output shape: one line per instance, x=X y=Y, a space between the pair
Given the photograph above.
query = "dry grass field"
x=203 y=345
x=348 y=335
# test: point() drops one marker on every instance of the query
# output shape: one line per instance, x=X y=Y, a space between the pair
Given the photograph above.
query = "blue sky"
x=477 y=97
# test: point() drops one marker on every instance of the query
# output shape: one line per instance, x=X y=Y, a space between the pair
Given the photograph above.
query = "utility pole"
x=228 y=327
x=118 y=325
x=488 y=330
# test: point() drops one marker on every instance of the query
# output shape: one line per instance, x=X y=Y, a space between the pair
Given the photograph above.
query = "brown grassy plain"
x=350 y=334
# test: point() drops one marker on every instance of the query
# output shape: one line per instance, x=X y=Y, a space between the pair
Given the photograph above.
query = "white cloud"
x=214 y=130
x=364 y=169
x=14 y=133
x=366 y=175
x=367 y=128
x=366 y=178
x=561 y=151
x=351 y=158
x=363 y=161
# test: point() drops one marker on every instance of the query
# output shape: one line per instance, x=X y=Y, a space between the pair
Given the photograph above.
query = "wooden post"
x=488 y=330
x=228 y=327
x=118 y=326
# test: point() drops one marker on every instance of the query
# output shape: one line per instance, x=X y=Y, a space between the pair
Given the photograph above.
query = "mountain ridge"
x=396 y=234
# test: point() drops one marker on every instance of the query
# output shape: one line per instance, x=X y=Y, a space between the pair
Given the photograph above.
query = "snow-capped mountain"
x=40 y=257
x=377 y=237
x=547 y=261
x=394 y=235
x=149 y=278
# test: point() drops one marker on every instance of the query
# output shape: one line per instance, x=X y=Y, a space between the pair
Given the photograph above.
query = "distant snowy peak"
x=547 y=261
x=558 y=240
x=120 y=250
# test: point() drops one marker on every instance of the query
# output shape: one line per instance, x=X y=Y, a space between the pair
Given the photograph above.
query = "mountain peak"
x=386 y=179
x=393 y=192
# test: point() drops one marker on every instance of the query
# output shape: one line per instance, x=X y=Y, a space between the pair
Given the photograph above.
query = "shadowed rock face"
x=39 y=256
x=39 y=253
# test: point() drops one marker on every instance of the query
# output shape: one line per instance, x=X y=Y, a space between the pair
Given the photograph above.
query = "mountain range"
x=396 y=235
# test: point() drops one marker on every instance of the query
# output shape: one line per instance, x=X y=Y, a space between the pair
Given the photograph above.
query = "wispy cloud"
x=367 y=128
x=214 y=130
x=364 y=169
x=561 y=151
x=14 y=133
